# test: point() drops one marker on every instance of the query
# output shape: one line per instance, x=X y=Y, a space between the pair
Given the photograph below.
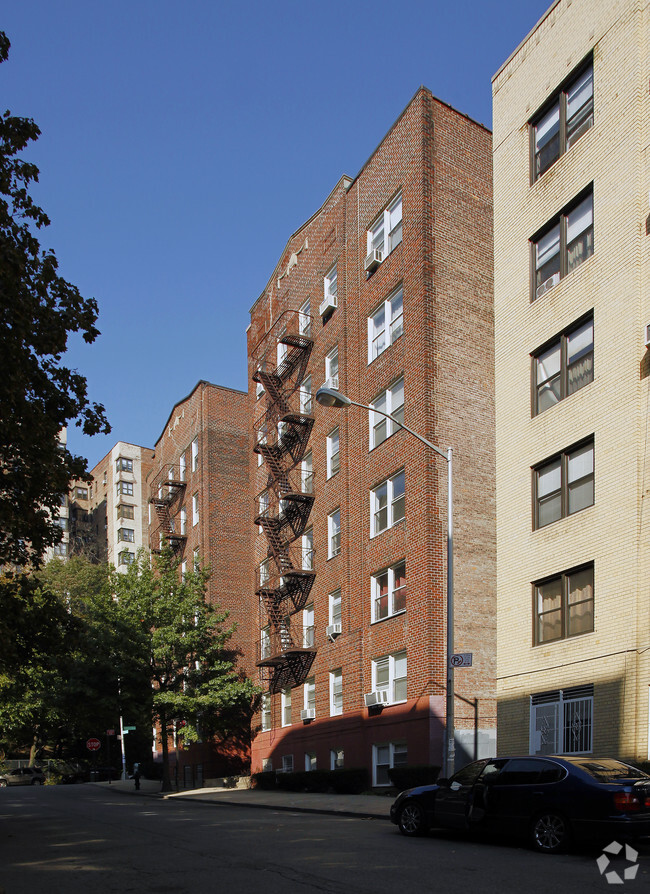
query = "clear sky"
x=182 y=144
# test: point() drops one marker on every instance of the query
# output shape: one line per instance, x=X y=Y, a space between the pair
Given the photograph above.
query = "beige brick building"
x=571 y=182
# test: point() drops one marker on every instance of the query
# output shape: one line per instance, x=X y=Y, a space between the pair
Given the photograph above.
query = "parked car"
x=22 y=776
x=552 y=800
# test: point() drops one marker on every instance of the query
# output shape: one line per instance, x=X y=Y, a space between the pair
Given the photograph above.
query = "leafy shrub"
x=408 y=777
x=265 y=781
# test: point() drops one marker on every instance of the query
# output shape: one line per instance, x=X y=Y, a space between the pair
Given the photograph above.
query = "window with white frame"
x=334 y=607
x=196 y=560
x=182 y=466
x=307 y=473
x=308 y=550
x=389 y=591
x=385 y=758
x=265 y=643
x=195 y=508
x=183 y=569
x=332 y=452
x=195 y=454
x=389 y=675
x=330 y=286
x=259 y=390
x=332 y=368
x=336 y=692
x=385 y=233
x=561 y=721
x=304 y=318
x=287 y=763
x=286 y=707
x=308 y=626
x=309 y=694
x=305 y=396
x=334 y=534
x=337 y=759
x=387 y=504
x=183 y=521
x=266 y=711
x=390 y=401
x=310 y=761
x=282 y=350
x=264 y=572
x=386 y=324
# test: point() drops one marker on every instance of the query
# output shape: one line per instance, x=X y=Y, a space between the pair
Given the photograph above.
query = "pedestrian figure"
x=136 y=776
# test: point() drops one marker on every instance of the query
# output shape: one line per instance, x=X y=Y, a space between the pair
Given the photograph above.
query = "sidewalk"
x=369 y=806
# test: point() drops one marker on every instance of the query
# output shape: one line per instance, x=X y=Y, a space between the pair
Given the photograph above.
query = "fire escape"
x=286 y=576
x=167 y=490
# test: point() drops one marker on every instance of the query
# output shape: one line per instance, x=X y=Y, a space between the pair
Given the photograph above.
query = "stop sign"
x=93 y=744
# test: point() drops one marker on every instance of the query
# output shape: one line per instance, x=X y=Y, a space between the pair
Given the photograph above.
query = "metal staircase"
x=285 y=653
x=167 y=490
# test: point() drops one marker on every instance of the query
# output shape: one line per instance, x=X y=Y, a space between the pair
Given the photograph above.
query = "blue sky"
x=182 y=143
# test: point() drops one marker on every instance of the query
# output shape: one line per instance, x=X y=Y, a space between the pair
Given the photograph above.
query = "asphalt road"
x=74 y=839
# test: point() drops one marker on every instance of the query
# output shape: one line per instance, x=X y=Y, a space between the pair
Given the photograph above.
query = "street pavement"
x=369 y=806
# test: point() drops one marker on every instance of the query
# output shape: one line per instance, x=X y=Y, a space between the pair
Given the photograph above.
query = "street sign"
x=461 y=659
x=93 y=744
x=129 y=729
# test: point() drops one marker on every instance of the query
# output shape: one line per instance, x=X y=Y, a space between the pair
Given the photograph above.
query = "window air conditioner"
x=327 y=305
x=547 y=284
x=646 y=340
x=373 y=260
x=308 y=714
x=333 y=630
x=378 y=697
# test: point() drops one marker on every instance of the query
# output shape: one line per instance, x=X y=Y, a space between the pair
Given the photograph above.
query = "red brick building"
x=199 y=501
x=385 y=292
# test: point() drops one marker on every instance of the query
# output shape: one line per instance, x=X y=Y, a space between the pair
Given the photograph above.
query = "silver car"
x=22 y=776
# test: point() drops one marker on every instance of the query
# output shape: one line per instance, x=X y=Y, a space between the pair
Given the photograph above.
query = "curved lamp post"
x=330 y=397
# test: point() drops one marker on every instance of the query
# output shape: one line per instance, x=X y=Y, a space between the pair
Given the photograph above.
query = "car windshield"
x=610 y=770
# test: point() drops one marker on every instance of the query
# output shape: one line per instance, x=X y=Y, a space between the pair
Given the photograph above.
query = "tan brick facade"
x=610 y=287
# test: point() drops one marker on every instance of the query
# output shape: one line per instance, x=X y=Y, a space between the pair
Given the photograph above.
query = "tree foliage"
x=38 y=394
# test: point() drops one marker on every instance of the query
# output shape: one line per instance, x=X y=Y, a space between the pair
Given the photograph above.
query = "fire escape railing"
x=167 y=490
x=286 y=576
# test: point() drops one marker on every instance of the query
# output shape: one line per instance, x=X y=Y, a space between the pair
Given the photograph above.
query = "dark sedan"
x=553 y=800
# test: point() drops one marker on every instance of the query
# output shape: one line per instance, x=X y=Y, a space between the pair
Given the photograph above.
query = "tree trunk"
x=33 y=750
x=164 y=733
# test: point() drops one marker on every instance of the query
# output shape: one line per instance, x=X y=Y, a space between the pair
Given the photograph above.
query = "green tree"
x=39 y=396
x=182 y=635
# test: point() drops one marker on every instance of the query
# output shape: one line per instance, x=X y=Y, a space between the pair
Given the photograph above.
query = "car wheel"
x=3 y=783
x=411 y=820
x=550 y=833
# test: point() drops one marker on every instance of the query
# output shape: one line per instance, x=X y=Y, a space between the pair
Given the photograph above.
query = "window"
x=564 y=484
x=307 y=473
x=123 y=465
x=332 y=368
x=281 y=349
x=267 y=765
x=563 y=366
x=308 y=627
x=196 y=560
x=125 y=511
x=336 y=692
x=195 y=509
x=259 y=390
x=183 y=521
x=286 y=707
x=125 y=487
x=561 y=722
x=389 y=591
x=60 y=549
x=385 y=233
x=384 y=758
x=332 y=451
x=386 y=324
x=287 y=763
x=183 y=569
x=563 y=122
x=330 y=286
x=564 y=605
x=126 y=558
x=304 y=319
x=182 y=466
x=387 y=506
x=266 y=711
x=334 y=534
x=310 y=694
x=564 y=244
x=389 y=675
x=264 y=572
x=81 y=493
x=126 y=534
x=265 y=643
x=305 y=396
x=334 y=607
x=337 y=756
x=195 y=454
x=308 y=550
x=310 y=761
x=390 y=401
x=61 y=522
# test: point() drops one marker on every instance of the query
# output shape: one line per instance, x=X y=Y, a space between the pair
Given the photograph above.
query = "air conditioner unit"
x=379 y=697
x=373 y=260
x=547 y=284
x=333 y=630
x=646 y=340
x=327 y=305
x=308 y=714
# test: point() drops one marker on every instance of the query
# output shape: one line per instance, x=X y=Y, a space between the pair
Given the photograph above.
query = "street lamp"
x=330 y=397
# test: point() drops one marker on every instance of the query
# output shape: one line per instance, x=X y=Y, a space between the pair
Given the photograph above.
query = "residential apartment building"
x=572 y=304
x=117 y=501
x=386 y=294
x=199 y=502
